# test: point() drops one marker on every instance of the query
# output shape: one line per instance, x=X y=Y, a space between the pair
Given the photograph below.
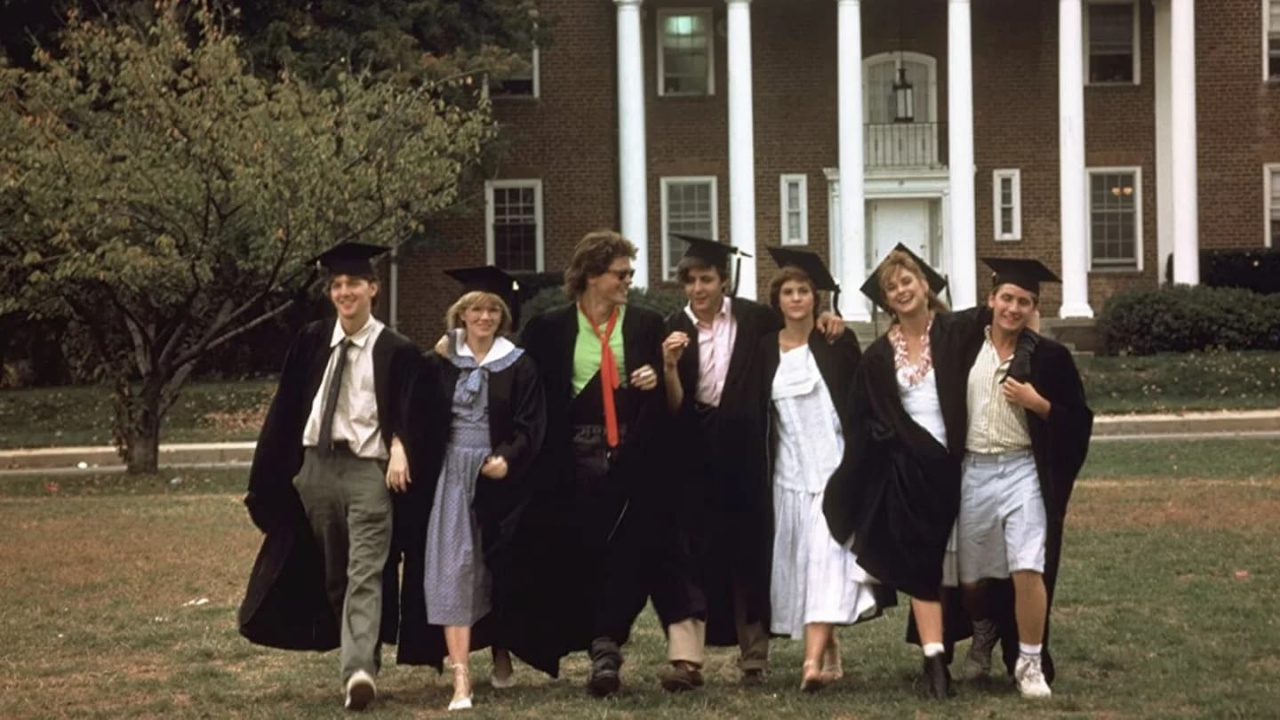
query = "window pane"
x=1006 y=221
x=793 y=226
x=1006 y=191
x=686 y=41
x=688 y=212
x=517 y=83
x=1113 y=218
x=515 y=229
x=793 y=196
x=1110 y=43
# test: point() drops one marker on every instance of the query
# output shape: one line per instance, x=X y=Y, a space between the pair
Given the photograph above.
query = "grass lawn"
x=221 y=411
x=120 y=598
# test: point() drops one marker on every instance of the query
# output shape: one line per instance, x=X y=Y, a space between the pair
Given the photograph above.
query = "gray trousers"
x=349 y=509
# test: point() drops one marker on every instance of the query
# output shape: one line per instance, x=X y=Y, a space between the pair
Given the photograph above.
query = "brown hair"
x=689 y=263
x=595 y=252
x=786 y=274
x=898 y=260
x=453 y=318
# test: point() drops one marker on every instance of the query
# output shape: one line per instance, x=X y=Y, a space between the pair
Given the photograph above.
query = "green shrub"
x=1186 y=319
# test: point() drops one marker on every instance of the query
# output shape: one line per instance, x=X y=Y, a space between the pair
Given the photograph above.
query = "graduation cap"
x=871 y=288
x=350 y=258
x=492 y=280
x=812 y=266
x=1026 y=274
x=714 y=253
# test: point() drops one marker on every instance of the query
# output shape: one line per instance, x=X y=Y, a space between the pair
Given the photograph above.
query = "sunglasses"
x=623 y=275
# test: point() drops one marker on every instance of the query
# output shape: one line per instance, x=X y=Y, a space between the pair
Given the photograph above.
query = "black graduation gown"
x=897 y=491
x=838 y=363
x=553 y=526
x=1060 y=445
x=517 y=418
x=724 y=482
x=285 y=604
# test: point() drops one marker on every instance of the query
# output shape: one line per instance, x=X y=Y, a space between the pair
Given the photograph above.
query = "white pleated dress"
x=815 y=580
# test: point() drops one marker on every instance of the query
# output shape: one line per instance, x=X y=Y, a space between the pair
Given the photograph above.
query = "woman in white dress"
x=816 y=584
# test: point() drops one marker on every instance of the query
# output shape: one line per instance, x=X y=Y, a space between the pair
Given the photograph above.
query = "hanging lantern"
x=904 y=95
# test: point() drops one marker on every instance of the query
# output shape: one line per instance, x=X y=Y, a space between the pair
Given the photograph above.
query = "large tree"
x=165 y=197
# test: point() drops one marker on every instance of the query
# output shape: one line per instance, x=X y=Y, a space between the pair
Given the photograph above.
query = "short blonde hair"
x=453 y=318
x=898 y=260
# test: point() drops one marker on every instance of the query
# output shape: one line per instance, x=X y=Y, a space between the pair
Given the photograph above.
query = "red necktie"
x=609 y=380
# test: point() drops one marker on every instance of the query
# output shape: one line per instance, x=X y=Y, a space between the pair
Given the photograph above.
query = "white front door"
x=898 y=221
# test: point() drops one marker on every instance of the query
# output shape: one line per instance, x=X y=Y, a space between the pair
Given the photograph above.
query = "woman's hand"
x=398 y=468
x=494 y=468
x=644 y=378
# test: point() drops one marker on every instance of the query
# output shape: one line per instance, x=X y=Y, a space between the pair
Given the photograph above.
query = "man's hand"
x=1024 y=395
x=398 y=468
x=831 y=325
x=644 y=378
x=672 y=348
x=442 y=345
x=494 y=468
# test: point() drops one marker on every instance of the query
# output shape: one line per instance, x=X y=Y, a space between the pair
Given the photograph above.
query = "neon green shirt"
x=586 y=352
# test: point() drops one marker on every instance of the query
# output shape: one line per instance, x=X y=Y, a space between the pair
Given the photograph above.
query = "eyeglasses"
x=624 y=275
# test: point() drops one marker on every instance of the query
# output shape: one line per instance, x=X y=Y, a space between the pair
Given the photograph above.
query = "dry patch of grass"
x=1245 y=505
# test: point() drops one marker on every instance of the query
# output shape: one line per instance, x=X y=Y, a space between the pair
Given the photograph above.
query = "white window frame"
x=1269 y=173
x=537 y=82
x=1137 y=217
x=663 y=183
x=1015 y=176
x=783 y=186
x=706 y=13
x=1266 y=43
x=1137 y=42
x=490 y=215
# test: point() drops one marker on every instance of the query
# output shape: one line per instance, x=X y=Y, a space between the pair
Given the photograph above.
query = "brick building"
x=738 y=120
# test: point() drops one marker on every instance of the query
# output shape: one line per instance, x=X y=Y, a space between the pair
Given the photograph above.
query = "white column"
x=1186 y=208
x=742 y=147
x=1164 y=136
x=1075 y=259
x=964 y=234
x=632 y=175
x=853 y=208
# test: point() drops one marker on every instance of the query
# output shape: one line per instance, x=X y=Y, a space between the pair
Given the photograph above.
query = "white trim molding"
x=490 y=216
x=1137 y=264
x=1137 y=41
x=1270 y=202
x=1014 y=176
x=669 y=268
x=785 y=209
x=709 y=23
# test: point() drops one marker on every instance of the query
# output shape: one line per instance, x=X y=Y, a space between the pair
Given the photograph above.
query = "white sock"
x=931 y=649
x=1029 y=650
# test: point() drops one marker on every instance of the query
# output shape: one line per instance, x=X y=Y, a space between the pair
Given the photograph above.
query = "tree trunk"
x=142 y=445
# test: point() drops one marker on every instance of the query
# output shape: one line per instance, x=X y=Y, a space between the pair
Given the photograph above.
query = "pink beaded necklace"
x=902 y=357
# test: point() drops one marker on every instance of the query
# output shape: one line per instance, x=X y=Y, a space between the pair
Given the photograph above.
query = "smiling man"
x=320 y=484
x=1027 y=437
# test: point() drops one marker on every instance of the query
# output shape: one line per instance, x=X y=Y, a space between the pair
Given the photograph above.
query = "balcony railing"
x=916 y=145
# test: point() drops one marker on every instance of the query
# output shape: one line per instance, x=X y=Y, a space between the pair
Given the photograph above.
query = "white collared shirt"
x=715 y=348
x=995 y=424
x=356 y=419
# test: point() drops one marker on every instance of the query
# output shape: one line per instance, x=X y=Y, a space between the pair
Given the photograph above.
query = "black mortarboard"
x=713 y=253
x=871 y=288
x=1026 y=274
x=813 y=266
x=350 y=258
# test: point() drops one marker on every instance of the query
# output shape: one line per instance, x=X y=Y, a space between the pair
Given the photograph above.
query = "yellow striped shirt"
x=995 y=424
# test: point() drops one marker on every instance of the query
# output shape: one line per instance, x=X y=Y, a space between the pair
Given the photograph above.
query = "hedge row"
x=1186 y=319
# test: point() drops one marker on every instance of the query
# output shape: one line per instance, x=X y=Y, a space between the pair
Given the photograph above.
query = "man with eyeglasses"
x=603 y=494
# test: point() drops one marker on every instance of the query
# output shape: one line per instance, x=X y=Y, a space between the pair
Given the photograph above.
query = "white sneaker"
x=1030 y=677
x=360 y=690
x=977 y=662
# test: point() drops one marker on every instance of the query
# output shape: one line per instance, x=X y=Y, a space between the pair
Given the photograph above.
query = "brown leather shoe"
x=681 y=676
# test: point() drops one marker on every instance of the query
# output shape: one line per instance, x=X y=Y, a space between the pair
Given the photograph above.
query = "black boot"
x=937 y=678
x=606 y=661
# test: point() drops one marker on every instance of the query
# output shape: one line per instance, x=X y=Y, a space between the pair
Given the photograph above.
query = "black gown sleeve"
x=271 y=498
x=529 y=419
x=1070 y=423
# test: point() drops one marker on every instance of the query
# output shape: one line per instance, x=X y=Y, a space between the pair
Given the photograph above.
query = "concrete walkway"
x=1251 y=424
